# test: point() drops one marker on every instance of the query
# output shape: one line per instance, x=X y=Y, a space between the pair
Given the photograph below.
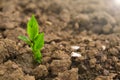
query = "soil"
x=89 y=28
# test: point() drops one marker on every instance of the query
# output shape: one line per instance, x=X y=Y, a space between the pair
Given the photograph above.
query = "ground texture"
x=91 y=25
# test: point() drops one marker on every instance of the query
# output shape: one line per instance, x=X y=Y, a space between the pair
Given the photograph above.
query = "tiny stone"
x=48 y=23
x=75 y=54
x=53 y=42
x=19 y=44
x=75 y=47
x=103 y=47
x=61 y=46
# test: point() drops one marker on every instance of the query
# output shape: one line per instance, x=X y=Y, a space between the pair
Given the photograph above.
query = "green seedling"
x=35 y=39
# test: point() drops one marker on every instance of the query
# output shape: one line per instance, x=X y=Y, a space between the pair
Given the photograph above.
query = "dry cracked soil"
x=82 y=40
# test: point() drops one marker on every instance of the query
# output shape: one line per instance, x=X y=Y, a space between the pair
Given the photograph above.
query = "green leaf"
x=24 y=38
x=32 y=28
x=39 y=41
x=37 y=56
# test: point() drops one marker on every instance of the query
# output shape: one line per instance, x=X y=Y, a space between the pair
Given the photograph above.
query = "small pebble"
x=103 y=47
x=48 y=23
x=75 y=54
x=75 y=47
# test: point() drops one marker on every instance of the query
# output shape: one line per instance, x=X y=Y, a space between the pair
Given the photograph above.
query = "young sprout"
x=35 y=39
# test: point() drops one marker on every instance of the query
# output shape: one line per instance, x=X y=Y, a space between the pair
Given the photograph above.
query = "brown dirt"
x=89 y=24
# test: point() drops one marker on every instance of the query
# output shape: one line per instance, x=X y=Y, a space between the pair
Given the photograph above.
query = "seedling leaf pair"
x=35 y=39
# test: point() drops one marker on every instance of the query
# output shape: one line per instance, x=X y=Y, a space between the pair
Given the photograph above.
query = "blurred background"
x=98 y=16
